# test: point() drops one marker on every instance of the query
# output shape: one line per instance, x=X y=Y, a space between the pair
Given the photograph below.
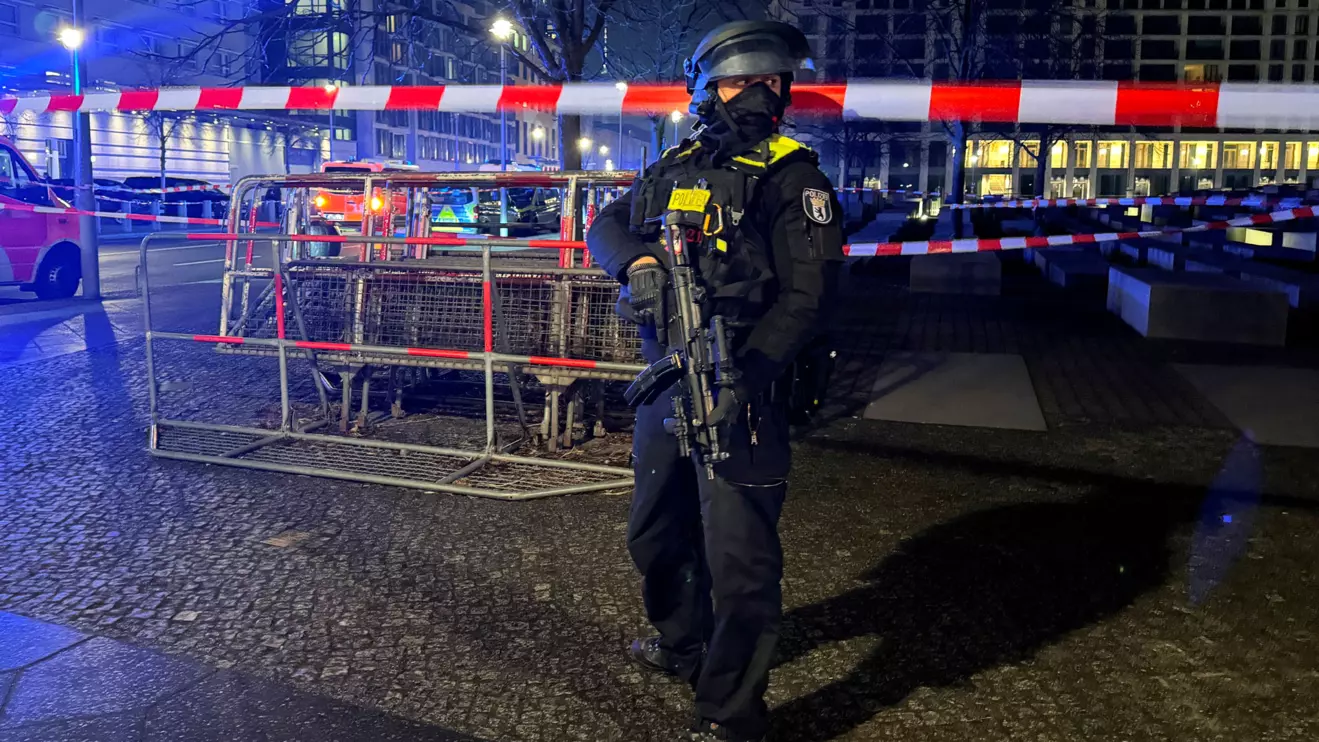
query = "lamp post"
x=84 y=198
x=622 y=88
x=502 y=30
x=331 y=88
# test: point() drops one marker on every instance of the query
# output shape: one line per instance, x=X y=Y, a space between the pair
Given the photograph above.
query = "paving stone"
x=24 y=641
x=111 y=728
x=228 y=706
x=99 y=676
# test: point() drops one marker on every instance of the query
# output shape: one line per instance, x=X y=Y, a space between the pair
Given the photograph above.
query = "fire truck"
x=344 y=208
x=39 y=252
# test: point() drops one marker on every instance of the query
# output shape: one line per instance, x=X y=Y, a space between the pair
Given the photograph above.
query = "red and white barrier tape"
x=861 y=249
x=172 y=189
x=200 y=221
x=1034 y=203
x=933 y=247
x=855 y=189
x=1098 y=103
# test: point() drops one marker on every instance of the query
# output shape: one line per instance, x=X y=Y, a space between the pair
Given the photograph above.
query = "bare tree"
x=965 y=41
x=648 y=40
x=562 y=34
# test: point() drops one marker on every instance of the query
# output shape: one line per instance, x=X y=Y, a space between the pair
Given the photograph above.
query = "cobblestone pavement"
x=1136 y=579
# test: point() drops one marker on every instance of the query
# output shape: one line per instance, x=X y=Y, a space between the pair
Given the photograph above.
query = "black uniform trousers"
x=710 y=559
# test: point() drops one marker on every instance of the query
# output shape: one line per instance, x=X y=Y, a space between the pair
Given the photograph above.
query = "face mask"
x=745 y=119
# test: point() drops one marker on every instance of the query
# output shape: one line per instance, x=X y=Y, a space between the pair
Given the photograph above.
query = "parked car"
x=532 y=206
x=41 y=253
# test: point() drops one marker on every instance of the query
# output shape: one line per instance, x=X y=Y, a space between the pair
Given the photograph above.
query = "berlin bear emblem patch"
x=816 y=204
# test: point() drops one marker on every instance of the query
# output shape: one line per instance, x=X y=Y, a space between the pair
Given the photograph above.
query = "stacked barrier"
x=393 y=303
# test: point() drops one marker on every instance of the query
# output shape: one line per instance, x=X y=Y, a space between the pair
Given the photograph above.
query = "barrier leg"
x=568 y=426
x=365 y=407
x=317 y=377
x=599 y=430
x=546 y=414
x=554 y=418
x=345 y=407
x=396 y=393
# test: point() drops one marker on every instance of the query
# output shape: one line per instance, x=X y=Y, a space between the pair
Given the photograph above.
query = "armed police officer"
x=707 y=545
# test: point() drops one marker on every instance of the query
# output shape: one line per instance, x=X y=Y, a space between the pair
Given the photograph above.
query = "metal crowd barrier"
x=396 y=314
x=424 y=291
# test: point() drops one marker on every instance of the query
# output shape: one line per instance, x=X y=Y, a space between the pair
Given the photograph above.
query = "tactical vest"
x=737 y=271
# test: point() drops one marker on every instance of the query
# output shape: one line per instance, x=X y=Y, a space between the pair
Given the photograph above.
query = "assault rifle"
x=701 y=359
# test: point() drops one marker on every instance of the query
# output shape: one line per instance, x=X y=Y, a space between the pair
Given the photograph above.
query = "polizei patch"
x=816 y=204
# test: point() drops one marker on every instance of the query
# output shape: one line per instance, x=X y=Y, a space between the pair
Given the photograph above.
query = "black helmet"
x=746 y=48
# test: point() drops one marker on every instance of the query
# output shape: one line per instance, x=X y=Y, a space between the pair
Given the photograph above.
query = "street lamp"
x=676 y=116
x=604 y=150
x=502 y=30
x=331 y=89
x=584 y=144
x=622 y=88
x=72 y=38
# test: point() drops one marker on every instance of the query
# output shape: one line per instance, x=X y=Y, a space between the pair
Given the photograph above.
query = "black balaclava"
x=741 y=123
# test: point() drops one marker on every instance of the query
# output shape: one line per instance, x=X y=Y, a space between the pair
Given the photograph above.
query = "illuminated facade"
x=1250 y=41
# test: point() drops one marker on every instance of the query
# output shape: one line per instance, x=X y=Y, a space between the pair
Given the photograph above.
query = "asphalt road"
x=171 y=262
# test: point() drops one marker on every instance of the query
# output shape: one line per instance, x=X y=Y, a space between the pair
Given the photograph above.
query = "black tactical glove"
x=645 y=287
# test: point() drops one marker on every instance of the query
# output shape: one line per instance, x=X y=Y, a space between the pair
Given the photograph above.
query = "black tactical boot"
x=650 y=655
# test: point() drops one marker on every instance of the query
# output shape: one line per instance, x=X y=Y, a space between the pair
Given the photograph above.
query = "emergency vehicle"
x=346 y=208
x=38 y=252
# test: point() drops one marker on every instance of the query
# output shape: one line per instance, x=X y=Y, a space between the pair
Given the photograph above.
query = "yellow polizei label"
x=688 y=199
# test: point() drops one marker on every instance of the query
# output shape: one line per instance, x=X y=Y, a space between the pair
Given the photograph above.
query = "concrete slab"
x=24 y=641
x=1208 y=261
x=957 y=273
x=1134 y=251
x=96 y=677
x=1082 y=271
x=1206 y=307
x=985 y=390
x=1277 y=406
x=1169 y=258
x=1302 y=289
x=1045 y=255
x=112 y=728
x=1301 y=241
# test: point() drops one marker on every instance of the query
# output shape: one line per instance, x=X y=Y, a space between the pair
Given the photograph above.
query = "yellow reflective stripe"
x=781 y=146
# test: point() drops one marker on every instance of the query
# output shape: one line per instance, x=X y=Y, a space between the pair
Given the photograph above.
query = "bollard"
x=157 y=209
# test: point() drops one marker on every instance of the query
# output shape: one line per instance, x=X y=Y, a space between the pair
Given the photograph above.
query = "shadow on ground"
x=994 y=586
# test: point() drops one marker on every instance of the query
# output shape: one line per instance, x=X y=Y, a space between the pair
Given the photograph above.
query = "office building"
x=1165 y=41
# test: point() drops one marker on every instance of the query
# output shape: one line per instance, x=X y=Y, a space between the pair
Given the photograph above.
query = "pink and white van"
x=38 y=252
